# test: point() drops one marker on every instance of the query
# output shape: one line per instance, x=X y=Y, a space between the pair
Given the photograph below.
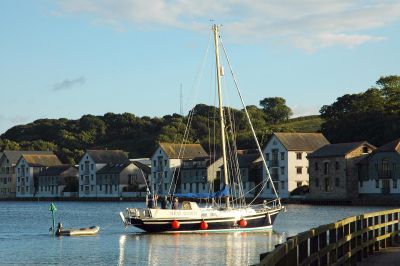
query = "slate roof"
x=145 y=168
x=108 y=156
x=41 y=160
x=301 y=141
x=14 y=156
x=338 y=149
x=393 y=146
x=247 y=160
x=113 y=168
x=59 y=170
x=189 y=151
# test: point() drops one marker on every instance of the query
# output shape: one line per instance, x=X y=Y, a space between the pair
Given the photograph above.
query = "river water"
x=25 y=238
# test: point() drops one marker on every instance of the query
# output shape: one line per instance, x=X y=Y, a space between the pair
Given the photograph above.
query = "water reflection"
x=241 y=248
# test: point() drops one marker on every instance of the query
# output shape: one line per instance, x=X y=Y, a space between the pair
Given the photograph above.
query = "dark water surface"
x=25 y=238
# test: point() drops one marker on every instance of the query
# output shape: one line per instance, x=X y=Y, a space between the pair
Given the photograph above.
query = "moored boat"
x=93 y=230
x=233 y=214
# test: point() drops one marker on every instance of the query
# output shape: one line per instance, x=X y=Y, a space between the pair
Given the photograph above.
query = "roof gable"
x=14 y=156
x=60 y=170
x=41 y=160
x=338 y=149
x=183 y=151
x=393 y=146
x=301 y=141
x=108 y=156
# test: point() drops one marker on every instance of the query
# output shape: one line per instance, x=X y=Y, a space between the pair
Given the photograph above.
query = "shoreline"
x=302 y=201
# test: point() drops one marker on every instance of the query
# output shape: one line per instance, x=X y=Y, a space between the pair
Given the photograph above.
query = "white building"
x=286 y=156
x=166 y=161
x=91 y=162
x=379 y=172
x=28 y=166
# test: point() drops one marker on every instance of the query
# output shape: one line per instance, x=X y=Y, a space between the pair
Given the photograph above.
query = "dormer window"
x=365 y=149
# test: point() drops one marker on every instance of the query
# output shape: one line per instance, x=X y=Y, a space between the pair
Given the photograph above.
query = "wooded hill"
x=373 y=115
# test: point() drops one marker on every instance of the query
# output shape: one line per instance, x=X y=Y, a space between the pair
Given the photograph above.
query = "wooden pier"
x=345 y=242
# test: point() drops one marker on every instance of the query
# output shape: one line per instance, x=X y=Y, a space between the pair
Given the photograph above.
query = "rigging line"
x=251 y=126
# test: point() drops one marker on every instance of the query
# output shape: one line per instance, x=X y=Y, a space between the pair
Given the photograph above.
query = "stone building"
x=334 y=171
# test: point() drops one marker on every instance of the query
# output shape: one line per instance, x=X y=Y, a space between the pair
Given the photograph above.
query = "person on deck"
x=150 y=203
x=164 y=203
x=175 y=204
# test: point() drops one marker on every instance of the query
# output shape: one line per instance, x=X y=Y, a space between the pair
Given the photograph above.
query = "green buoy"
x=53 y=209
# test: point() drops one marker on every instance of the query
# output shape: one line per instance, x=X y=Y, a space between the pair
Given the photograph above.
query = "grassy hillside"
x=310 y=123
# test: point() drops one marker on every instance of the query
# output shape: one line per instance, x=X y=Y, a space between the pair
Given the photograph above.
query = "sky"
x=64 y=59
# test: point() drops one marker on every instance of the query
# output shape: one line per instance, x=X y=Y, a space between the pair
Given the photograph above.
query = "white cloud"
x=67 y=84
x=308 y=24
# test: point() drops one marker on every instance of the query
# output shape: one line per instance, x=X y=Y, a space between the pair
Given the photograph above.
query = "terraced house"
x=166 y=162
x=27 y=169
x=58 y=181
x=93 y=161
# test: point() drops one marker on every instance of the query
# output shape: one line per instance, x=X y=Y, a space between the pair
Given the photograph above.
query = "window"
x=204 y=186
x=283 y=184
x=376 y=183
x=361 y=183
x=244 y=185
x=91 y=177
x=101 y=186
x=299 y=169
x=317 y=182
x=365 y=149
x=82 y=167
x=165 y=162
x=394 y=183
x=91 y=166
x=282 y=156
x=92 y=187
x=298 y=155
x=268 y=185
x=337 y=181
x=184 y=185
x=326 y=168
x=154 y=163
x=282 y=170
x=299 y=183
x=267 y=156
x=165 y=187
x=316 y=166
x=337 y=165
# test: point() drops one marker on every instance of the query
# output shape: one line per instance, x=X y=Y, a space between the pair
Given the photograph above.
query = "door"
x=385 y=186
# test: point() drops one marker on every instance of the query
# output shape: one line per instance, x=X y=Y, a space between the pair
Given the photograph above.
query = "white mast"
x=221 y=111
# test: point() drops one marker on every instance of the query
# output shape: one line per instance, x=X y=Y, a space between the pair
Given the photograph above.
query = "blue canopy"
x=224 y=192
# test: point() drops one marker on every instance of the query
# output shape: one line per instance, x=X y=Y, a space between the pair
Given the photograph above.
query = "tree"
x=276 y=109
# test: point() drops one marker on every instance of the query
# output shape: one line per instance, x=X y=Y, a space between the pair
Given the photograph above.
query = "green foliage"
x=276 y=109
x=310 y=123
x=373 y=115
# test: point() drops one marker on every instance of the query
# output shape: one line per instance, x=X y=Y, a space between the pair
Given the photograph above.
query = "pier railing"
x=344 y=242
